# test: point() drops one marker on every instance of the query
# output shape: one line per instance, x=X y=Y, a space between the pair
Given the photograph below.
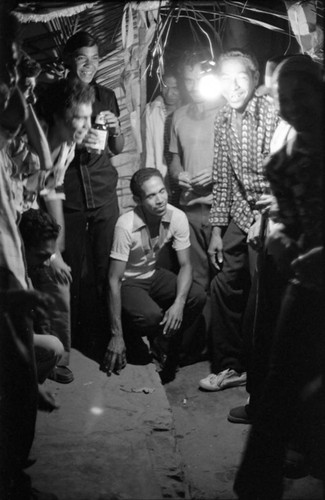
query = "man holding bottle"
x=91 y=207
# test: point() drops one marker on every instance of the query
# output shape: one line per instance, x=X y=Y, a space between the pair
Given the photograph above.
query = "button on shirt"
x=90 y=181
x=238 y=168
x=132 y=242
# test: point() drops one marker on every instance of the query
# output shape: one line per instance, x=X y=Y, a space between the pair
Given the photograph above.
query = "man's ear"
x=137 y=200
x=256 y=78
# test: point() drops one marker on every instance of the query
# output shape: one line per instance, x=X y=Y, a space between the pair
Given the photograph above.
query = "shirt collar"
x=139 y=218
x=94 y=84
x=251 y=109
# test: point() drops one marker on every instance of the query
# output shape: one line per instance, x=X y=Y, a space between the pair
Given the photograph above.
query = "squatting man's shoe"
x=223 y=380
x=61 y=374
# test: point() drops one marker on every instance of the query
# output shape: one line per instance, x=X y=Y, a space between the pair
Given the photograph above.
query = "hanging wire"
x=289 y=44
x=206 y=34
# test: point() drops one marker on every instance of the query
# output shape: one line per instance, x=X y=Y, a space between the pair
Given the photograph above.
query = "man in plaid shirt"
x=243 y=131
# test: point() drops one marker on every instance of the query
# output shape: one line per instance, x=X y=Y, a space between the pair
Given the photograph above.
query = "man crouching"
x=155 y=302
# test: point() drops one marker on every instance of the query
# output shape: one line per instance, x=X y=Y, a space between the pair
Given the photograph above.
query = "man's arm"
x=61 y=270
x=177 y=172
x=115 y=358
x=173 y=317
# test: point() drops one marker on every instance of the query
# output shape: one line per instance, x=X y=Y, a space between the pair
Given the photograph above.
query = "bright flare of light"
x=95 y=410
x=210 y=87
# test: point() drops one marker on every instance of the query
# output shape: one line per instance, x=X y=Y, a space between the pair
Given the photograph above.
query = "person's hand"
x=184 y=180
x=202 y=180
x=46 y=400
x=91 y=139
x=254 y=238
x=265 y=202
x=172 y=319
x=112 y=122
x=278 y=244
x=61 y=271
x=115 y=357
x=308 y=266
x=215 y=250
x=29 y=303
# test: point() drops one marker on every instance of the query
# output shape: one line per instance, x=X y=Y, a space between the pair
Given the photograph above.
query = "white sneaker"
x=223 y=380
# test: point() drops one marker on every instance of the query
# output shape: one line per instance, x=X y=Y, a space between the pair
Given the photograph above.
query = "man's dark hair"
x=140 y=177
x=62 y=97
x=249 y=58
x=37 y=226
x=77 y=41
x=28 y=67
x=193 y=58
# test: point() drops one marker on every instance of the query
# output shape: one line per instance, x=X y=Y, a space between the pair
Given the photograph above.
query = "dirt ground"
x=210 y=446
x=129 y=437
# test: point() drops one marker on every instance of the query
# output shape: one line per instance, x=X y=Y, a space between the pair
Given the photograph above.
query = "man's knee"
x=148 y=319
x=49 y=347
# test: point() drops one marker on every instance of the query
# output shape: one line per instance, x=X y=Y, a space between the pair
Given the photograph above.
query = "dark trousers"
x=259 y=324
x=297 y=361
x=144 y=302
x=229 y=293
x=89 y=233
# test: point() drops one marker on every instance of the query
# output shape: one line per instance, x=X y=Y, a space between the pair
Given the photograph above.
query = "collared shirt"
x=132 y=242
x=238 y=168
x=90 y=181
x=192 y=139
x=11 y=248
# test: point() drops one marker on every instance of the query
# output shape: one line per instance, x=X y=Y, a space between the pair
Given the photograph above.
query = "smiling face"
x=238 y=82
x=77 y=122
x=154 y=197
x=84 y=63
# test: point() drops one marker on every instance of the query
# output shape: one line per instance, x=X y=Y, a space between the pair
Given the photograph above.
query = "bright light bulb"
x=209 y=87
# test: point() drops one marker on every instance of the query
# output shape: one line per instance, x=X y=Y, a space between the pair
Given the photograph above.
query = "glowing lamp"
x=209 y=86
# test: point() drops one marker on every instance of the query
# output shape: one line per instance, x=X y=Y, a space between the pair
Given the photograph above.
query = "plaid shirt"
x=238 y=173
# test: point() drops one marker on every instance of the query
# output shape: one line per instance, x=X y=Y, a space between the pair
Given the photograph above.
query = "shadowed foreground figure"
x=294 y=384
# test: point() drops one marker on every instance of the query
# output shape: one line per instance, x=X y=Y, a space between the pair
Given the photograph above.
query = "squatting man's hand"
x=172 y=319
x=115 y=357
